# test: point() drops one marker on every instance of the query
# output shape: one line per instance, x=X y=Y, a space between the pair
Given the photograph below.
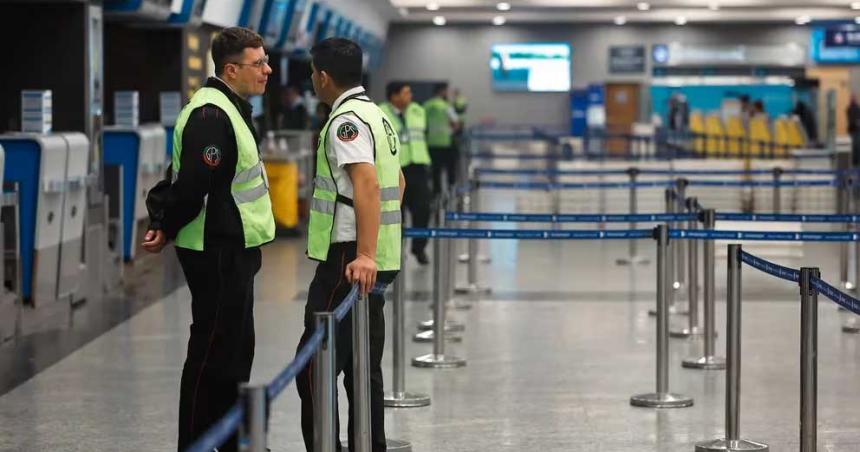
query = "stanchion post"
x=252 y=432
x=777 y=190
x=438 y=359
x=633 y=258
x=325 y=386
x=693 y=328
x=709 y=361
x=472 y=286
x=361 y=374
x=732 y=441
x=662 y=398
x=808 y=360
x=843 y=199
x=674 y=308
x=399 y=398
x=681 y=192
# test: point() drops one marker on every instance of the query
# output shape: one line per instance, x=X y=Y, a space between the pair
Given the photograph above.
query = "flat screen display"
x=532 y=67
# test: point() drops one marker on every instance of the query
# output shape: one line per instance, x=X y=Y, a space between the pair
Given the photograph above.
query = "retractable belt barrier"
x=645 y=217
x=655 y=184
x=666 y=172
x=234 y=419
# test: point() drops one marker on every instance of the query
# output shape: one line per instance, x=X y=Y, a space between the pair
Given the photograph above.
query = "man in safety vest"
x=217 y=210
x=355 y=226
x=410 y=124
x=442 y=122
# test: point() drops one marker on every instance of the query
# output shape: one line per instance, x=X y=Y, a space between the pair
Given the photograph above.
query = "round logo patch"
x=392 y=137
x=212 y=156
x=347 y=132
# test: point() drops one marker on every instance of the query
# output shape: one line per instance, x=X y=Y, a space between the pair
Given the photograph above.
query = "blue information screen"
x=840 y=50
x=535 y=67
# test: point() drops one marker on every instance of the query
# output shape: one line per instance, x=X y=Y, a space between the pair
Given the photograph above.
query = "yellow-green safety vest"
x=438 y=123
x=327 y=197
x=250 y=188
x=413 y=141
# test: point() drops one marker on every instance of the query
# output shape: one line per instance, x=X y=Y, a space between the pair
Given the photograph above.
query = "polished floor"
x=554 y=354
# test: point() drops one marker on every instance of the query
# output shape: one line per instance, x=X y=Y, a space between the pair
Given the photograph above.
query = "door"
x=622 y=110
x=838 y=80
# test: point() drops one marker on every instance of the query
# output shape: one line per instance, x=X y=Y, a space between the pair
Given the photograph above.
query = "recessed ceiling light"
x=504 y=6
x=499 y=20
x=432 y=7
x=439 y=20
x=855 y=5
x=643 y=6
x=802 y=20
x=714 y=6
x=620 y=20
x=680 y=20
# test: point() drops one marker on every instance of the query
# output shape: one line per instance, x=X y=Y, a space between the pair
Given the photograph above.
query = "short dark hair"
x=439 y=88
x=394 y=88
x=341 y=59
x=230 y=43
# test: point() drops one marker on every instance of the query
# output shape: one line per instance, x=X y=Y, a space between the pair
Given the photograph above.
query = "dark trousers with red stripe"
x=221 y=347
x=328 y=288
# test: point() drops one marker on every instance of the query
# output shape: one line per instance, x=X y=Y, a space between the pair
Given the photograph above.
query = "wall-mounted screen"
x=535 y=67
x=834 y=45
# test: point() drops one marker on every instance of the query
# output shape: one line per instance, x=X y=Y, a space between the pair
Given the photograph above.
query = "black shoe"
x=421 y=256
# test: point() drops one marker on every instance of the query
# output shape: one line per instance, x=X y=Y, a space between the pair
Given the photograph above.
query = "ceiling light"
x=620 y=20
x=439 y=20
x=432 y=7
x=403 y=11
x=503 y=6
x=855 y=5
x=802 y=20
x=714 y=6
x=680 y=20
x=643 y=6
x=499 y=20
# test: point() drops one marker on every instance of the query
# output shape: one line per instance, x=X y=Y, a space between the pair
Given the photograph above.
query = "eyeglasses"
x=259 y=64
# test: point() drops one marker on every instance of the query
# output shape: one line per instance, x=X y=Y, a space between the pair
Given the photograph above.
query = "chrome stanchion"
x=852 y=326
x=844 y=201
x=252 y=432
x=473 y=249
x=633 y=257
x=398 y=397
x=808 y=360
x=693 y=328
x=438 y=359
x=472 y=285
x=681 y=193
x=777 y=190
x=662 y=398
x=709 y=361
x=325 y=386
x=674 y=308
x=361 y=374
x=732 y=441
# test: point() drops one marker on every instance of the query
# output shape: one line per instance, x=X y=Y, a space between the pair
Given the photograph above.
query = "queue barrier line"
x=841 y=298
x=630 y=234
x=645 y=217
x=230 y=422
x=646 y=171
x=654 y=184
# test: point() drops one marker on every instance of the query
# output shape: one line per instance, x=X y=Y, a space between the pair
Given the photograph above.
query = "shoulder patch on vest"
x=212 y=156
x=392 y=137
x=347 y=131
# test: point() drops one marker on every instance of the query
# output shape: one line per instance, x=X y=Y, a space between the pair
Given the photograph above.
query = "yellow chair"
x=760 y=136
x=716 y=141
x=796 y=134
x=697 y=127
x=735 y=134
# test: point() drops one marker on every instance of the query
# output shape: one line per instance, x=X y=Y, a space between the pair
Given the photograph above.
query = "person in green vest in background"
x=442 y=122
x=461 y=104
x=216 y=208
x=410 y=124
x=355 y=222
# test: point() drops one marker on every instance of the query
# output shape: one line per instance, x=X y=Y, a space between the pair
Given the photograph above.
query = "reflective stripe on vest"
x=249 y=187
x=325 y=200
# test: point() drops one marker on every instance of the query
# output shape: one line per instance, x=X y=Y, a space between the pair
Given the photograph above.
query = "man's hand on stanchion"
x=362 y=271
x=154 y=241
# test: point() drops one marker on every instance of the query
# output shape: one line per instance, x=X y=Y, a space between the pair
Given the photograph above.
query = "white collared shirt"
x=358 y=149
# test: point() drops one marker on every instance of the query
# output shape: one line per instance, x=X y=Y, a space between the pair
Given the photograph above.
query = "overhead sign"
x=824 y=53
x=843 y=36
x=677 y=54
x=627 y=59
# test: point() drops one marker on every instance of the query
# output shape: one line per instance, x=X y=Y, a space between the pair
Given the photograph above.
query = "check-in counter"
x=137 y=157
x=39 y=165
x=74 y=208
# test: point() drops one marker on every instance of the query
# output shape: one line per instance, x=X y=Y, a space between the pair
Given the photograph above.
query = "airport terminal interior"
x=637 y=229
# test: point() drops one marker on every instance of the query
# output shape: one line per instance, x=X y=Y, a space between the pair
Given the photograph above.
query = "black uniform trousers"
x=417 y=200
x=328 y=288
x=443 y=158
x=221 y=347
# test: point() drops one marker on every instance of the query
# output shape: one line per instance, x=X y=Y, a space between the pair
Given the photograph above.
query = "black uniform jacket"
x=207 y=167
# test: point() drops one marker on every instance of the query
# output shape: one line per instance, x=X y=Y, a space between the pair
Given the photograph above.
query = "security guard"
x=441 y=123
x=410 y=124
x=217 y=209
x=461 y=104
x=354 y=228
